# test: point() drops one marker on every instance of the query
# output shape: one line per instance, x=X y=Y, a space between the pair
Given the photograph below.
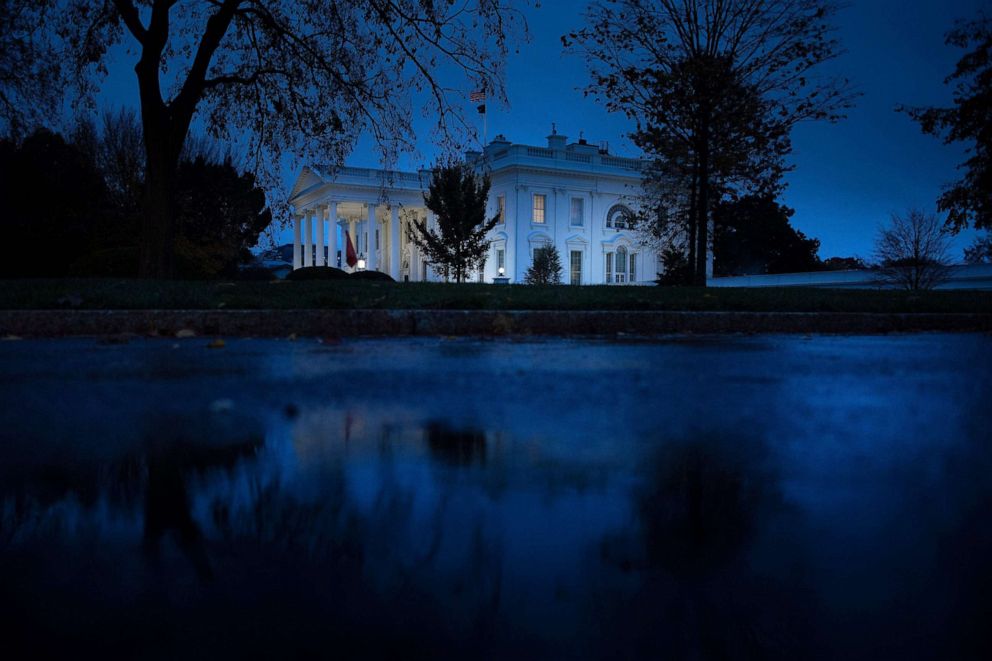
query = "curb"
x=384 y=323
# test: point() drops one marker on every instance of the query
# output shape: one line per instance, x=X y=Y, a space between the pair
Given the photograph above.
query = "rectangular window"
x=482 y=272
x=500 y=259
x=577 y=211
x=633 y=267
x=377 y=244
x=539 y=202
x=575 y=267
x=501 y=207
x=609 y=267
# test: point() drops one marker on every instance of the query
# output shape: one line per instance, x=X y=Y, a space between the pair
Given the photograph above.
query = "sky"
x=849 y=177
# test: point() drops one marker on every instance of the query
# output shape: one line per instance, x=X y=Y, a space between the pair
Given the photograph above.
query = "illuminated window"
x=539 y=205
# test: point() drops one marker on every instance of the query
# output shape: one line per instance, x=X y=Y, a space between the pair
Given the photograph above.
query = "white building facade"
x=576 y=197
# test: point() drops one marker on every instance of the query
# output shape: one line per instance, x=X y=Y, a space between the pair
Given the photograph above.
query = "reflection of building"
x=576 y=196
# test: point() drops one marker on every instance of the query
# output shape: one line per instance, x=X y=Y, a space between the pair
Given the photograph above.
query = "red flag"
x=349 y=254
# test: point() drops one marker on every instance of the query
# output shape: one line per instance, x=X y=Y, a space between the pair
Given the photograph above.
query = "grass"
x=145 y=294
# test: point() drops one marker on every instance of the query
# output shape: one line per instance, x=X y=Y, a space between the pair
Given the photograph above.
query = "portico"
x=351 y=204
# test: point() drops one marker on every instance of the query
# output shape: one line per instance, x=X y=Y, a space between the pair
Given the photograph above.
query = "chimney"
x=555 y=141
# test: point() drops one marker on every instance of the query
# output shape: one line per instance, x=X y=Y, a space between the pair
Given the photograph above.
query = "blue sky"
x=849 y=176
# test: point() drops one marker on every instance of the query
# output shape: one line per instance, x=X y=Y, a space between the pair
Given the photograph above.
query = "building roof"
x=499 y=155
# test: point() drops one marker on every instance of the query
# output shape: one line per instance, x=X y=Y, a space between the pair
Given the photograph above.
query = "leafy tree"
x=677 y=271
x=221 y=214
x=546 y=268
x=752 y=235
x=458 y=244
x=66 y=212
x=715 y=88
x=298 y=76
x=969 y=121
x=844 y=264
x=912 y=251
x=979 y=252
x=54 y=198
x=23 y=103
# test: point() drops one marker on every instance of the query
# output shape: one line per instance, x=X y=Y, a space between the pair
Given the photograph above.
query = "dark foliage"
x=317 y=273
x=969 y=121
x=71 y=211
x=55 y=201
x=979 y=252
x=844 y=264
x=371 y=275
x=221 y=215
x=24 y=103
x=678 y=271
x=546 y=269
x=457 y=245
x=752 y=236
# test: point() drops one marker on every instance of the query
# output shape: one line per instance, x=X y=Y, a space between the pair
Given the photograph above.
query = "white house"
x=575 y=196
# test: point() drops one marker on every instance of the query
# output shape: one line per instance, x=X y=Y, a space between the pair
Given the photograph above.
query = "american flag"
x=477 y=95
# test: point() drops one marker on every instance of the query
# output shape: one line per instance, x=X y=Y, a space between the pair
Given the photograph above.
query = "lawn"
x=344 y=294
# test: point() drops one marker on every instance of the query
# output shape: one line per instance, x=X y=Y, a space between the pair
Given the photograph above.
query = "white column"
x=394 y=243
x=320 y=238
x=297 y=221
x=354 y=240
x=332 y=237
x=432 y=275
x=370 y=240
x=308 y=240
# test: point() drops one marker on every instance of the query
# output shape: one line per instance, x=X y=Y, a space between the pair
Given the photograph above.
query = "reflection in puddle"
x=323 y=514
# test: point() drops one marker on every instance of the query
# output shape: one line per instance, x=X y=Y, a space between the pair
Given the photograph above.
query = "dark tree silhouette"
x=71 y=210
x=457 y=196
x=715 y=88
x=844 y=264
x=979 y=252
x=54 y=197
x=298 y=76
x=23 y=37
x=911 y=251
x=969 y=121
x=221 y=214
x=546 y=269
x=752 y=235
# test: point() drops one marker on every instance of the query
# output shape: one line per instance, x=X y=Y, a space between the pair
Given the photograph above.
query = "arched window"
x=619 y=217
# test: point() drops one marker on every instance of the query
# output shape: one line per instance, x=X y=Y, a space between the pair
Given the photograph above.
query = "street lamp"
x=361 y=263
x=502 y=271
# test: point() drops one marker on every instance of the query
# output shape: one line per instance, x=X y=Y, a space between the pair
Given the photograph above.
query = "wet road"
x=699 y=498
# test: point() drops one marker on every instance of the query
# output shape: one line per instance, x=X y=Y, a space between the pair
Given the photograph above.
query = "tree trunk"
x=157 y=247
x=692 y=225
x=702 y=219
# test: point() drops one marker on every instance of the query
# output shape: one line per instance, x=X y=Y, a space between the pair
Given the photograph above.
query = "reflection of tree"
x=702 y=509
x=457 y=447
x=700 y=506
x=167 y=504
